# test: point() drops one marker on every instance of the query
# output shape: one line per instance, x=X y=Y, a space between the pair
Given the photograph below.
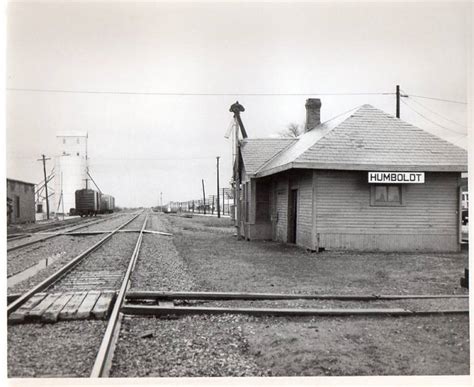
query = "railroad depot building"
x=20 y=202
x=363 y=181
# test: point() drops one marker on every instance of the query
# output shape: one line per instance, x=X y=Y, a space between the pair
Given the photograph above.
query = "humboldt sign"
x=397 y=177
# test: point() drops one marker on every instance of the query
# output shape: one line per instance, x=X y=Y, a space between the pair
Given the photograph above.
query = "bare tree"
x=292 y=131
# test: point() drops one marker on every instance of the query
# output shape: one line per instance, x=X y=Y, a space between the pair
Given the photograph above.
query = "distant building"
x=363 y=181
x=20 y=202
x=70 y=169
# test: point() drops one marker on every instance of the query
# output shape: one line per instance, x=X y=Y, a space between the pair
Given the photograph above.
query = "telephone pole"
x=204 y=196
x=218 y=201
x=398 y=101
x=43 y=158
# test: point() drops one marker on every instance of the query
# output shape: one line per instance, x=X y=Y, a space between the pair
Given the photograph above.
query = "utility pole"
x=161 y=201
x=398 y=101
x=218 y=201
x=62 y=197
x=223 y=202
x=43 y=158
x=204 y=196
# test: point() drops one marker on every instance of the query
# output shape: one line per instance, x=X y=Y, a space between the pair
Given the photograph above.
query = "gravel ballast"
x=159 y=265
x=189 y=346
x=112 y=258
x=66 y=245
x=27 y=284
x=109 y=224
x=81 y=225
x=64 y=349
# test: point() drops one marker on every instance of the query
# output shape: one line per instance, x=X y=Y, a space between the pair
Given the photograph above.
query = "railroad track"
x=60 y=231
x=75 y=281
x=81 y=293
x=59 y=274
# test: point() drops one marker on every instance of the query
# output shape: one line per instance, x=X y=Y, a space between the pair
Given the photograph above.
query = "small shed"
x=20 y=202
x=362 y=181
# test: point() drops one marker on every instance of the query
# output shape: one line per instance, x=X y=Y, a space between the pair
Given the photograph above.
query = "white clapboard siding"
x=428 y=220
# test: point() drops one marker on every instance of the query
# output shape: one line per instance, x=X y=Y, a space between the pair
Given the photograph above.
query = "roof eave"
x=274 y=170
x=364 y=167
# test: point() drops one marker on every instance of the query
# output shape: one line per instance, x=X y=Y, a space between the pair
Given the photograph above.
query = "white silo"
x=70 y=169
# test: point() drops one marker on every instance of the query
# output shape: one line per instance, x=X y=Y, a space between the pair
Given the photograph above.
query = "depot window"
x=386 y=195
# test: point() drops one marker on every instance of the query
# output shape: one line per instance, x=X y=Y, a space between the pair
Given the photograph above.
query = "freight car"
x=87 y=202
x=107 y=204
x=90 y=203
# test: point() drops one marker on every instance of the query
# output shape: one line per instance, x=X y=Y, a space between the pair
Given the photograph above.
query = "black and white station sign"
x=397 y=177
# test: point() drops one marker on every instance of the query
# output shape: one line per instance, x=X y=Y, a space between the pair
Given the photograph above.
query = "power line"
x=438 y=99
x=436 y=113
x=462 y=137
x=433 y=122
x=185 y=94
x=93 y=159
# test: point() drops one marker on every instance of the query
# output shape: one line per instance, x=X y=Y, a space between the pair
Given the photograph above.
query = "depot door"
x=292 y=215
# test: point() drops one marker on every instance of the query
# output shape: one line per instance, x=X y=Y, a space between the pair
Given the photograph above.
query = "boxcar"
x=107 y=204
x=87 y=202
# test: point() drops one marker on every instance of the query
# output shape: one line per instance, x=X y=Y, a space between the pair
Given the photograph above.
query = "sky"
x=185 y=64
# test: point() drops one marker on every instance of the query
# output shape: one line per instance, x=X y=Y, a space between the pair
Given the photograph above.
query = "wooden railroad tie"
x=53 y=307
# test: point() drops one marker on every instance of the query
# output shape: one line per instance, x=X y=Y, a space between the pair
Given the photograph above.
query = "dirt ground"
x=221 y=263
x=375 y=345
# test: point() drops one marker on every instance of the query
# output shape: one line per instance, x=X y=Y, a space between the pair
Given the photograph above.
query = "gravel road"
x=64 y=349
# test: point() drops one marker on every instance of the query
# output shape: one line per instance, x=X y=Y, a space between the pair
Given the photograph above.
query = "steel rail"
x=103 y=361
x=63 y=270
x=157 y=295
x=181 y=310
x=15 y=237
x=56 y=234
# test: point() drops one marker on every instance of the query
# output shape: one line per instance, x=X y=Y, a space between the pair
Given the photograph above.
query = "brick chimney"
x=313 y=113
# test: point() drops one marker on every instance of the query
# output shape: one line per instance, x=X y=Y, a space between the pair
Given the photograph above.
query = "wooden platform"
x=53 y=307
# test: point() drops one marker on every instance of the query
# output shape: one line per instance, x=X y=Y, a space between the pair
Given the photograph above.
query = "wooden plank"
x=69 y=311
x=52 y=313
x=136 y=295
x=103 y=305
x=87 y=305
x=19 y=315
x=38 y=310
x=159 y=310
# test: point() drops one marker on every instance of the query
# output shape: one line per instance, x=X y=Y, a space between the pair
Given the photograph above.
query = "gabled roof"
x=368 y=139
x=257 y=151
